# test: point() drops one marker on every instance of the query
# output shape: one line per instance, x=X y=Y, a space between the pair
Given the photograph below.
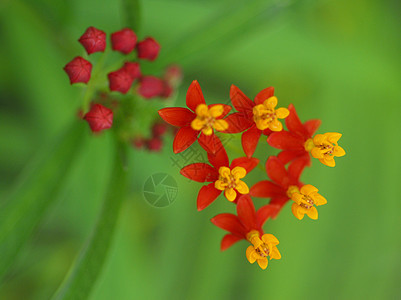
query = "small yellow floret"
x=229 y=181
x=326 y=148
x=262 y=248
x=305 y=201
x=206 y=119
x=265 y=115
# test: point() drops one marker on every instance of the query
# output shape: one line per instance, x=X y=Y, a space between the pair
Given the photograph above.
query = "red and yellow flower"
x=305 y=201
x=222 y=175
x=298 y=141
x=247 y=225
x=198 y=122
x=256 y=117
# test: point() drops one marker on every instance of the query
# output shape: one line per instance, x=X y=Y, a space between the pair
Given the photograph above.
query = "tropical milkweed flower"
x=198 y=122
x=221 y=175
x=305 y=201
x=124 y=40
x=247 y=225
x=298 y=141
x=256 y=117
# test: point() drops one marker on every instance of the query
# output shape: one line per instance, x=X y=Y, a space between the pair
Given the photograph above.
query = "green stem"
x=81 y=280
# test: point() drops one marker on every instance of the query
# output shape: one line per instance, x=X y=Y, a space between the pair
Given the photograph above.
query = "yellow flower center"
x=305 y=201
x=262 y=248
x=266 y=116
x=309 y=145
x=229 y=182
x=207 y=119
x=291 y=190
x=325 y=148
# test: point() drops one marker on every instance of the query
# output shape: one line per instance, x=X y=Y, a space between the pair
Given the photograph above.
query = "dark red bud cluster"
x=155 y=142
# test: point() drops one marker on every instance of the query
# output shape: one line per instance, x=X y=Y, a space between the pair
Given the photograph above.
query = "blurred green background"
x=334 y=60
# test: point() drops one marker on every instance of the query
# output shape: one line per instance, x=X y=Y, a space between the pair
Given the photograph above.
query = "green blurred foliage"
x=335 y=60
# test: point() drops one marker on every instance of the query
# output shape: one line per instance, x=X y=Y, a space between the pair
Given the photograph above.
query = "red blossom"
x=182 y=118
x=150 y=87
x=246 y=220
x=120 y=80
x=93 y=40
x=292 y=142
x=155 y=144
x=281 y=180
x=99 y=117
x=123 y=40
x=78 y=70
x=148 y=49
x=159 y=129
x=243 y=119
x=202 y=172
x=133 y=69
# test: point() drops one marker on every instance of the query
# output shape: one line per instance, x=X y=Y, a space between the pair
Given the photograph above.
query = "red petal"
x=226 y=109
x=241 y=102
x=246 y=212
x=250 y=140
x=288 y=155
x=177 y=116
x=311 y=126
x=194 y=95
x=293 y=123
x=228 y=240
x=220 y=158
x=279 y=201
x=184 y=138
x=298 y=165
x=200 y=172
x=265 y=212
x=247 y=163
x=266 y=189
x=206 y=196
x=286 y=140
x=264 y=95
x=211 y=143
x=237 y=122
x=230 y=223
x=276 y=171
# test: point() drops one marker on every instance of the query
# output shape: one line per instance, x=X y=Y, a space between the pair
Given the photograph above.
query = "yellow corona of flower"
x=261 y=249
x=306 y=201
x=229 y=182
x=325 y=147
x=207 y=119
x=265 y=115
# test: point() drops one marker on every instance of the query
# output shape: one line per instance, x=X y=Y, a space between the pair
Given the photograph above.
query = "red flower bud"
x=158 y=129
x=173 y=75
x=150 y=87
x=168 y=90
x=155 y=144
x=138 y=142
x=78 y=70
x=99 y=117
x=148 y=49
x=120 y=80
x=123 y=40
x=93 y=40
x=133 y=69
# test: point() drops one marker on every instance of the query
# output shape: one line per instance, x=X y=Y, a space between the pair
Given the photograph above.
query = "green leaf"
x=80 y=281
x=36 y=191
x=132 y=14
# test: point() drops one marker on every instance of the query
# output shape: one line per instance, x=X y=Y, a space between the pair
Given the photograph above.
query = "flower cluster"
x=106 y=86
x=262 y=116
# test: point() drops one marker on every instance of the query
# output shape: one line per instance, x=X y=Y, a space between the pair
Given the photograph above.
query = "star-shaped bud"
x=78 y=70
x=120 y=80
x=99 y=118
x=123 y=40
x=148 y=49
x=93 y=40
